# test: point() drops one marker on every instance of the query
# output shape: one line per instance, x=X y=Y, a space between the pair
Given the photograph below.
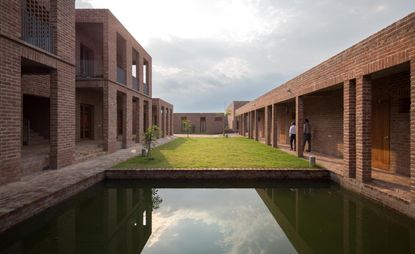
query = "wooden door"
x=381 y=134
x=87 y=120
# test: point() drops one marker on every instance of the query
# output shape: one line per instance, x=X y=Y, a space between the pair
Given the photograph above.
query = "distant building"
x=232 y=123
x=202 y=123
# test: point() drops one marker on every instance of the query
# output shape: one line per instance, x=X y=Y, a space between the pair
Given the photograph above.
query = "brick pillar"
x=256 y=125
x=349 y=128
x=274 y=125
x=164 y=122
x=167 y=122
x=412 y=134
x=363 y=129
x=10 y=109
x=137 y=121
x=149 y=114
x=267 y=129
x=127 y=121
x=243 y=124
x=171 y=122
x=249 y=124
x=62 y=116
x=110 y=117
x=299 y=121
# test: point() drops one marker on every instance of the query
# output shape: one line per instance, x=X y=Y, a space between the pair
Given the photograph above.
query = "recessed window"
x=218 y=119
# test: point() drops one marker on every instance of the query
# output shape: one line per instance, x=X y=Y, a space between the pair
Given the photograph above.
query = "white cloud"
x=232 y=68
x=208 y=53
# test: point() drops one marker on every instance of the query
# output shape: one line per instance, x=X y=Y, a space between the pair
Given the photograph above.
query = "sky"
x=208 y=53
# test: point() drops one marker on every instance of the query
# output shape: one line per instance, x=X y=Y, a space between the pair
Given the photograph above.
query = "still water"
x=220 y=218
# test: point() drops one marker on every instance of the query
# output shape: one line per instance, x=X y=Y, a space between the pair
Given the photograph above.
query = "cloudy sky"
x=207 y=53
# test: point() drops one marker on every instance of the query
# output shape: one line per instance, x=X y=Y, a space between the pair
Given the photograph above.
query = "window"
x=218 y=119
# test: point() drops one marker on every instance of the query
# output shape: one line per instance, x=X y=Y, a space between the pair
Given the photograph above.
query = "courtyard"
x=235 y=152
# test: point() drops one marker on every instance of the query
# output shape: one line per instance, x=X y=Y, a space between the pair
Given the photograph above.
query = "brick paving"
x=393 y=185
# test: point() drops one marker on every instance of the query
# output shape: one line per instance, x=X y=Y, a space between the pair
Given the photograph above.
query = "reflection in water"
x=284 y=219
x=321 y=220
x=100 y=220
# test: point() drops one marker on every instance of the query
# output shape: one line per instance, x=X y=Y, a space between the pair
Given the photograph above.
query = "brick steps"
x=36 y=139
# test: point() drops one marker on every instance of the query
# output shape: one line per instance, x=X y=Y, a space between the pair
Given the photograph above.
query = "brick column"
x=171 y=123
x=165 y=121
x=363 y=129
x=243 y=125
x=349 y=128
x=127 y=120
x=412 y=134
x=274 y=136
x=137 y=120
x=149 y=114
x=249 y=124
x=267 y=129
x=256 y=125
x=140 y=105
x=62 y=116
x=10 y=109
x=299 y=120
x=109 y=117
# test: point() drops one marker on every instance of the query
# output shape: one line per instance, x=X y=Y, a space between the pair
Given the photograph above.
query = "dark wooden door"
x=87 y=119
x=381 y=134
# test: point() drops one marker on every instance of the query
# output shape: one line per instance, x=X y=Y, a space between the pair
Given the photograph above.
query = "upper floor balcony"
x=36 y=24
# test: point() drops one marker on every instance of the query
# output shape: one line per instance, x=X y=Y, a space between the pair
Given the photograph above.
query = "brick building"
x=72 y=84
x=201 y=123
x=37 y=83
x=163 y=116
x=232 y=122
x=113 y=84
x=359 y=106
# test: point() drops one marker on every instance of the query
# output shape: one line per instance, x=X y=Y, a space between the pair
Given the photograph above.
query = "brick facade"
x=232 y=123
x=45 y=69
x=213 y=122
x=119 y=78
x=87 y=59
x=163 y=116
x=360 y=104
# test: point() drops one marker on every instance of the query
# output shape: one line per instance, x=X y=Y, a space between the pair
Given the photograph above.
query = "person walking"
x=307 y=135
x=292 y=132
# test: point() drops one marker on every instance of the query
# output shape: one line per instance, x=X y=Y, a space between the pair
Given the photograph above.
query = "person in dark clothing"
x=292 y=135
x=307 y=135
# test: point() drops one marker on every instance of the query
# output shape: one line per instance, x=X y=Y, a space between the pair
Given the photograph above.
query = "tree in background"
x=187 y=126
x=150 y=136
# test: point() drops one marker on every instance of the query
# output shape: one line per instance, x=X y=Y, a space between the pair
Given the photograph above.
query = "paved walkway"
x=34 y=193
x=393 y=185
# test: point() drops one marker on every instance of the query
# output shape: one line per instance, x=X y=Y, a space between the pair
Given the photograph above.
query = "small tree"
x=187 y=126
x=150 y=136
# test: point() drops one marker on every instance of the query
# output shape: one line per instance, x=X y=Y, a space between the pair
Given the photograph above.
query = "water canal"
x=114 y=217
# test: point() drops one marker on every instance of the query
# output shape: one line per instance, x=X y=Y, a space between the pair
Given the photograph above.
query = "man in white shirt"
x=292 y=134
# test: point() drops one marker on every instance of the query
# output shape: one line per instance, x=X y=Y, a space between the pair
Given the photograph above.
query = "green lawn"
x=215 y=153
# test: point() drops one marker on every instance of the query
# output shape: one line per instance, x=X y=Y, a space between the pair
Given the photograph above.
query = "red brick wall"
x=38 y=85
x=324 y=110
x=212 y=126
x=10 y=108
